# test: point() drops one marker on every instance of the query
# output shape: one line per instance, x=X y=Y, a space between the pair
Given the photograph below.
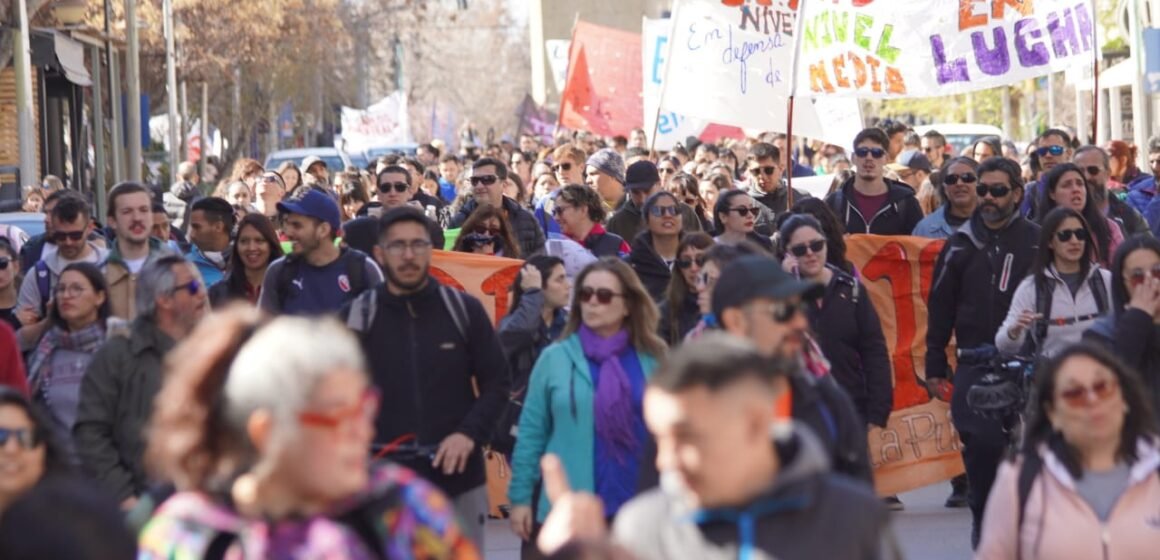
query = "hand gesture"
x=530 y=278
x=453 y=454
x=1026 y=318
x=574 y=516
x=1146 y=295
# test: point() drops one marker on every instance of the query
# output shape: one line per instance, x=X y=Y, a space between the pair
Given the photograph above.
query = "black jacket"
x=116 y=401
x=851 y=338
x=425 y=369
x=627 y=221
x=1135 y=339
x=974 y=280
x=649 y=267
x=527 y=229
x=1129 y=219
x=776 y=201
x=685 y=318
x=523 y=335
x=897 y=217
x=827 y=410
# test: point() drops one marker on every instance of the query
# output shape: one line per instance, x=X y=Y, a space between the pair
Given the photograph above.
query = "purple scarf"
x=612 y=403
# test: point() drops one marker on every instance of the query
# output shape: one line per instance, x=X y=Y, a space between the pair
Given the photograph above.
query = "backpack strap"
x=1099 y=291
x=219 y=546
x=43 y=284
x=356 y=269
x=453 y=300
x=362 y=312
x=1028 y=471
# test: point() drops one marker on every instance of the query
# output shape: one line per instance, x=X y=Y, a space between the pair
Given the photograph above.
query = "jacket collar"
x=978 y=232
x=155 y=247
x=389 y=298
x=146 y=336
x=1147 y=462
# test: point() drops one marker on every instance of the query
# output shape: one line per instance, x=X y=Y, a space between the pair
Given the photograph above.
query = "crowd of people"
x=689 y=366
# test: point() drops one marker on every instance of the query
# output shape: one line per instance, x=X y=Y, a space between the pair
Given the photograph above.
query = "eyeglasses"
x=61 y=236
x=484 y=230
x=997 y=191
x=25 y=438
x=686 y=264
x=487 y=180
x=1082 y=396
x=767 y=170
x=1065 y=235
x=399 y=248
x=784 y=311
x=269 y=179
x=558 y=210
x=660 y=211
x=966 y=178
x=816 y=246
x=933 y=150
x=565 y=167
x=744 y=211
x=366 y=408
x=1093 y=170
x=399 y=187
x=877 y=153
x=1053 y=150
x=192 y=287
x=603 y=295
x=4 y=263
x=70 y=290
x=1139 y=275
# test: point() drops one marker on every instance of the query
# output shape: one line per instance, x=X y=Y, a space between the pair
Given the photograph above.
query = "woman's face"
x=21 y=467
x=558 y=289
x=545 y=184
x=1071 y=250
x=1088 y=406
x=34 y=203
x=705 y=282
x=808 y=246
x=1070 y=191
x=572 y=219
x=9 y=271
x=739 y=216
x=77 y=301
x=326 y=460
x=598 y=316
x=253 y=248
x=690 y=263
x=1137 y=266
x=239 y=195
x=491 y=228
x=709 y=193
x=983 y=151
x=664 y=218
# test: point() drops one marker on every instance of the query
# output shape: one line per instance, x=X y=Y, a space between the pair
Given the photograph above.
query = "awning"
x=61 y=53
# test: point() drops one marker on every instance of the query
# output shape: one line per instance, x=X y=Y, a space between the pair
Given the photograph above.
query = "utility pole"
x=201 y=162
x=25 y=132
x=171 y=89
x=133 y=87
x=1141 y=99
x=115 y=138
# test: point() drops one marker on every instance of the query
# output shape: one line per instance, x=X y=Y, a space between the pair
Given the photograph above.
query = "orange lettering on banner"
x=497 y=285
x=487 y=278
x=891 y=263
x=447 y=279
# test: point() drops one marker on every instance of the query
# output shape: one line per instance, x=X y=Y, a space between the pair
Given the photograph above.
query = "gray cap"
x=608 y=162
x=311 y=160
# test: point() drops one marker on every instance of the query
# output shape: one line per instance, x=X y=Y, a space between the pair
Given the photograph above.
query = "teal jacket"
x=557 y=418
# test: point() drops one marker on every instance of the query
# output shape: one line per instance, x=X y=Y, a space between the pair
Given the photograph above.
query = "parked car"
x=335 y=159
x=961 y=135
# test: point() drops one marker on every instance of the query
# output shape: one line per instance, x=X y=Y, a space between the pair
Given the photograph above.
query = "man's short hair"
x=709 y=148
x=406 y=214
x=1055 y=132
x=156 y=279
x=1009 y=167
x=873 y=134
x=935 y=136
x=910 y=138
x=70 y=208
x=716 y=360
x=1154 y=145
x=392 y=169
x=430 y=149
x=217 y=211
x=569 y=151
x=1102 y=152
x=413 y=162
x=449 y=157
x=123 y=189
x=763 y=150
x=635 y=153
x=892 y=127
x=55 y=196
x=501 y=169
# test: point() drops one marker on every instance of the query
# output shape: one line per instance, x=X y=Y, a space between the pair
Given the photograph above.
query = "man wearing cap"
x=315 y=171
x=316 y=277
x=605 y=174
x=912 y=168
x=756 y=299
x=642 y=181
x=488 y=176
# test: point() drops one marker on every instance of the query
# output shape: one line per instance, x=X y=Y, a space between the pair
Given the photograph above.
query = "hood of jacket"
x=1147 y=462
x=979 y=234
x=648 y=261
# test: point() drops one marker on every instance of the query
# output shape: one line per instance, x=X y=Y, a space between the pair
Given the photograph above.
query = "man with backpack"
x=429 y=347
x=317 y=277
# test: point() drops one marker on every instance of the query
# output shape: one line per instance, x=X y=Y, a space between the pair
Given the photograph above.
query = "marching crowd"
x=689 y=367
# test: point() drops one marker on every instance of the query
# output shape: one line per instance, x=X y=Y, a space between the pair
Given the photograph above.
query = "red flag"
x=603 y=93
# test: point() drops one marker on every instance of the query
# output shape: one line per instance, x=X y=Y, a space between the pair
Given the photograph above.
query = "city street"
x=926 y=529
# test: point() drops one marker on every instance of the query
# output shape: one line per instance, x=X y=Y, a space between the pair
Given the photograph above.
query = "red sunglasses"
x=367 y=406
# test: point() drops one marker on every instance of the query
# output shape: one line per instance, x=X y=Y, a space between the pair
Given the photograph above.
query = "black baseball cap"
x=641 y=175
x=754 y=276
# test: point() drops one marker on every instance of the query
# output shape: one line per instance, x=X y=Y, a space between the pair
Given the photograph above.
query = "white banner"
x=672 y=127
x=558 y=61
x=383 y=124
x=876 y=48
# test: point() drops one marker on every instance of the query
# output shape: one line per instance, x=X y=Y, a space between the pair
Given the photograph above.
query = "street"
x=926 y=529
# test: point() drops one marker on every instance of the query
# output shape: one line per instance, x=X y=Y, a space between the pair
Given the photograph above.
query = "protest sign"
x=535 y=120
x=487 y=278
x=671 y=127
x=558 y=60
x=384 y=123
x=875 y=48
x=919 y=445
x=602 y=94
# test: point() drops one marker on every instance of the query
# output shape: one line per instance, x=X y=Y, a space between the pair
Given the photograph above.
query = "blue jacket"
x=1140 y=192
x=557 y=418
x=210 y=273
x=934 y=225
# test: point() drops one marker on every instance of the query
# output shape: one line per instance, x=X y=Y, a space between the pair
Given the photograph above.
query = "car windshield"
x=333 y=163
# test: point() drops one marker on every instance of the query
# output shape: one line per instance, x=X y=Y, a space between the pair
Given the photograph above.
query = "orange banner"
x=603 y=93
x=487 y=278
x=919 y=445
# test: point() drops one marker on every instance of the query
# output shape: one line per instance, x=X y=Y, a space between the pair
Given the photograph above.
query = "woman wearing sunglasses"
x=487 y=232
x=1132 y=330
x=959 y=177
x=267 y=445
x=28 y=448
x=255 y=247
x=579 y=210
x=655 y=250
x=1065 y=185
x=584 y=398
x=734 y=217
x=9 y=280
x=1063 y=294
x=1085 y=483
x=680 y=311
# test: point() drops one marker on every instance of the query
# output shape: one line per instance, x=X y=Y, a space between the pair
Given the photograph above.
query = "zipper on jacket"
x=850 y=206
x=411 y=310
x=1104 y=538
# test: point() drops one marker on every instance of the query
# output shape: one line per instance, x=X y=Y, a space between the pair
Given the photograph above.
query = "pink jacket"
x=1059 y=525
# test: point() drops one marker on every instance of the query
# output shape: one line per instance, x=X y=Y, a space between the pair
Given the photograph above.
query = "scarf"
x=86 y=340
x=613 y=408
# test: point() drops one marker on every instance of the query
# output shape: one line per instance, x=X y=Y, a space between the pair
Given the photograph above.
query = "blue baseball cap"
x=314 y=204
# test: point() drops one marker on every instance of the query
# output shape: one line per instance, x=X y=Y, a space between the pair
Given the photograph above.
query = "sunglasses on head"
x=814 y=247
x=565 y=167
x=744 y=211
x=1065 y=235
x=767 y=170
x=686 y=264
x=487 y=180
x=399 y=187
x=1081 y=396
x=966 y=178
x=603 y=295
x=25 y=438
x=1053 y=150
x=659 y=211
x=1139 y=275
x=192 y=287
x=876 y=153
x=59 y=236
x=997 y=191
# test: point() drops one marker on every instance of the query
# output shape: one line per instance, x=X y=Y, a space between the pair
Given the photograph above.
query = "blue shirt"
x=314 y=290
x=616 y=476
x=446 y=191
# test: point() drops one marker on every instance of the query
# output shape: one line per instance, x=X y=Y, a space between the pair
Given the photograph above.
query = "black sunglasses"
x=966 y=178
x=686 y=264
x=565 y=167
x=192 y=287
x=746 y=210
x=399 y=187
x=24 y=437
x=814 y=247
x=59 y=236
x=877 y=153
x=603 y=295
x=1093 y=170
x=767 y=170
x=784 y=312
x=659 y=211
x=484 y=230
x=1053 y=150
x=484 y=180
x=997 y=191
x=1064 y=235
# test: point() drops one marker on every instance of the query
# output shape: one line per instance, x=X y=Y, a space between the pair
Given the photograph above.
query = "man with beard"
x=974 y=280
x=1094 y=162
x=410 y=324
x=316 y=277
x=868 y=202
x=131 y=217
x=71 y=223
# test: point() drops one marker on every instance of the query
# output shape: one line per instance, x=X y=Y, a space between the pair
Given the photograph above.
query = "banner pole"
x=1096 y=77
x=797 y=45
x=652 y=139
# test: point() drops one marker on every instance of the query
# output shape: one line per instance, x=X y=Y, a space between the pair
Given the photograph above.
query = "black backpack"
x=356 y=272
x=1043 y=296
